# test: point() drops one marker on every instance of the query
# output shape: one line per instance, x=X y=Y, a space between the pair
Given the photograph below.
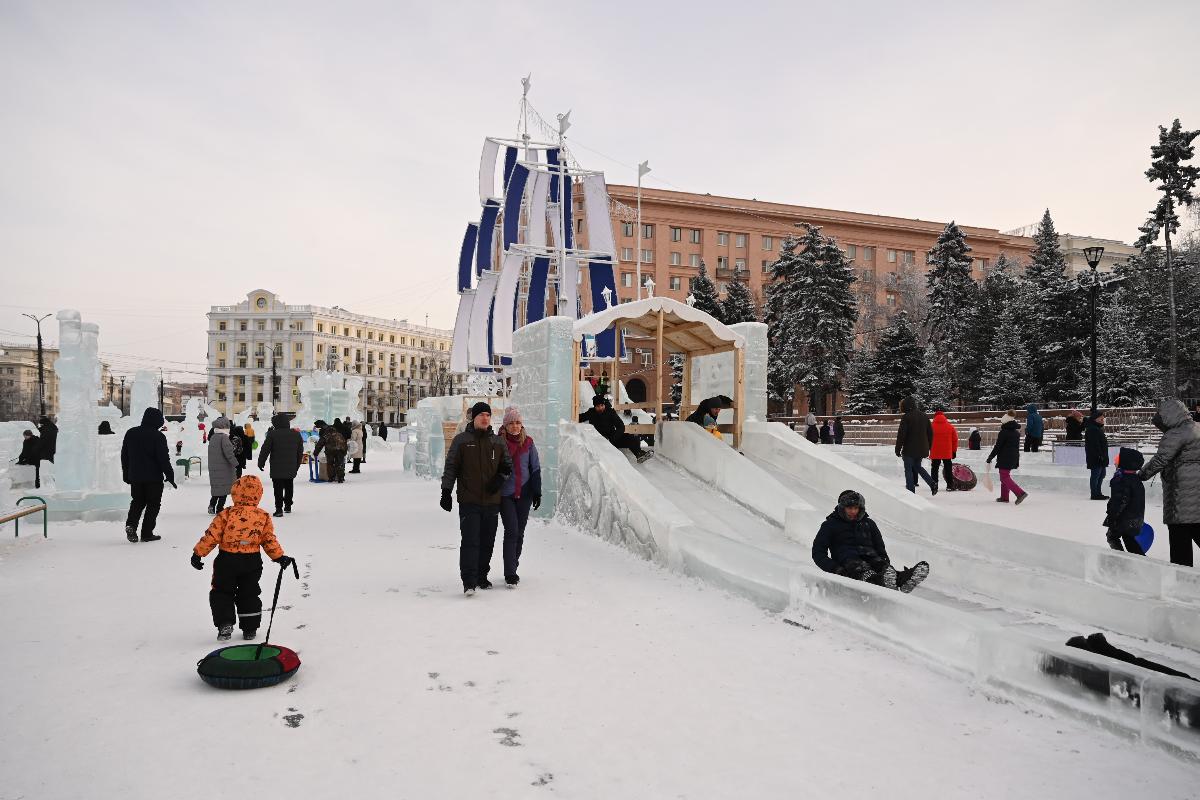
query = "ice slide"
x=745 y=522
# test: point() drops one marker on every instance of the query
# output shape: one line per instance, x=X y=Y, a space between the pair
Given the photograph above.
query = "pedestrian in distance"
x=284 y=448
x=913 y=439
x=479 y=463
x=810 y=428
x=239 y=532
x=1178 y=459
x=355 y=447
x=241 y=447
x=251 y=440
x=31 y=455
x=975 y=440
x=839 y=430
x=1007 y=453
x=1095 y=450
x=366 y=436
x=331 y=441
x=827 y=432
x=383 y=428
x=146 y=467
x=1074 y=426
x=850 y=544
x=105 y=429
x=943 y=449
x=608 y=424
x=1126 y=503
x=1034 y=428
x=522 y=491
x=48 y=434
x=222 y=464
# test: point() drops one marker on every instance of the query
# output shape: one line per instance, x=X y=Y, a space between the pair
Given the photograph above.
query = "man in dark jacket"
x=383 y=431
x=479 y=462
x=839 y=430
x=710 y=407
x=849 y=543
x=241 y=447
x=285 y=449
x=31 y=455
x=1126 y=503
x=332 y=442
x=1034 y=428
x=145 y=466
x=1095 y=450
x=49 y=435
x=1074 y=426
x=608 y=424
x=913 y=439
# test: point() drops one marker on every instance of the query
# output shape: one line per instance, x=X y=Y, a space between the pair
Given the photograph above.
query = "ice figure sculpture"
x=144 y=394
x=328 y=396
x=192 y=438
x=78 y=369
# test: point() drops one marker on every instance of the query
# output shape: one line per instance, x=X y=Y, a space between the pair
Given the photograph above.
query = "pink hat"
x=512 y=414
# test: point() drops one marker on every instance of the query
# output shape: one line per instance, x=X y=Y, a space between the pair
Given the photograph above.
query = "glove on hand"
x=196 y=562
x=537 y=501
x=284 y=561
x=445 y=501
x=173 y=486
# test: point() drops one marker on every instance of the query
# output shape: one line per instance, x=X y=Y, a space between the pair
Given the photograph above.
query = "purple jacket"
x=531 y=474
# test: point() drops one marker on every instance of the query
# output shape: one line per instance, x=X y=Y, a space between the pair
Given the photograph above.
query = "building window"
x=220 y=347
x=320 y=327
x=278 y=324
x=851 y=251
x=627 y=254
x=241 y=380
x=241 y=397
x=627 y=279
x=299 y=363
x=647 y=256
x=739 y=264
x=891 y=298
x=868 y=254
x=676 y=258
x=891 y=256
x=675 y=282
x=627 y=229
x=261 y=325
x=220 y=326
x=868 y=275
x=220 y=363
x=579 y=225
x=345 y=352
x=722 y=238
x=722 y=263
x=695 y=236
x=241 y=325
x=694 y=260
x=648 y=359
x=242 y=363
x=299 y=347
x=676 y=234
x=768 y=243
x=739 y=240
x=908 y=257
x=647 y=231
x=766 y=265
x=258 y=362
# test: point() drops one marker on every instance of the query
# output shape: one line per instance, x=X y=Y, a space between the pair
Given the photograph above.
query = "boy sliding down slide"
x=849 y=543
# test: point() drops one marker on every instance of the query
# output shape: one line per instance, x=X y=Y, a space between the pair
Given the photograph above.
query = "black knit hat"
x=599 y=400
x=851 y=498
x=480 y=408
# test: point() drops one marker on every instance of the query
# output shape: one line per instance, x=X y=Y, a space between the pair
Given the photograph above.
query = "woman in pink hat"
x=522 y=490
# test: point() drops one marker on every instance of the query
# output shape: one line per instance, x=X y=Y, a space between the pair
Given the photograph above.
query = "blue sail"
x=486 y=233
x=467 y=256
x=552 y=160
x=514 y=193
x=535 y=306
x=600 y=274
x=510 y=161
x=568 y=217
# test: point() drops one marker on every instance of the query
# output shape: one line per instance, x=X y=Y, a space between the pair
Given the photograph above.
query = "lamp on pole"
x=643 y=168
x=1093 y=256
x=41 y=362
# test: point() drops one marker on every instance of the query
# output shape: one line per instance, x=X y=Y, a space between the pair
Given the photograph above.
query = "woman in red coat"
x=944 y=448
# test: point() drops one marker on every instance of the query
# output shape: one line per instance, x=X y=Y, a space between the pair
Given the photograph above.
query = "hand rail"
x=15 y=516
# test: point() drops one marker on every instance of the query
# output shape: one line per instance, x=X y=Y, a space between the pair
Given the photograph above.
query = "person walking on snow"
x=608 y=424
x=222 y=464
x=975 y=440
x=239 y=532
x=334 y=445
x=1178 y=459
x=1007 y=452
x=479 y=463
x=810 y=428
x=849 y=543
x=1095 y=450
x=241 y=448
x=839 y=430
x=145 y=466
x=1126 y=503
x=521 y=491
x=913 y=439
x=1034 y=428
x=284 y=448
x=355 y=448
x=944 y=449
x=827 y=431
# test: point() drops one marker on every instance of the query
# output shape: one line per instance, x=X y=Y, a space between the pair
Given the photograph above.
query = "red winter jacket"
x=945 y=438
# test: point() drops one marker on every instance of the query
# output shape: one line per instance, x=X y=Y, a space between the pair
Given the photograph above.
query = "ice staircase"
x=745 y=522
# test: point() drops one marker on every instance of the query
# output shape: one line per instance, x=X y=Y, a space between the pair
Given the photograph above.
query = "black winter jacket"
x=839 y=540
x=1007 y=449
x=31 y=451
x=1126 y=495
x=974 y=441
x=1095 y=445
x=284 y=447
x=608 y=423
x=49 y=435
x=915 y=433
x=1074 y=430
x=479 y=461
x=144 y=454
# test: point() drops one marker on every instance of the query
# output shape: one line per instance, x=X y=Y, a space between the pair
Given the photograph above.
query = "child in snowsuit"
x=1126 y=503
x=239 y=531
x=849 y=543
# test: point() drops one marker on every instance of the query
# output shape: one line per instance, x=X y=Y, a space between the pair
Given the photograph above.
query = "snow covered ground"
x=601 y=676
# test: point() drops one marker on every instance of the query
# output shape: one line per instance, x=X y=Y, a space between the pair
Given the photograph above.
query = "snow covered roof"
x=684 y=327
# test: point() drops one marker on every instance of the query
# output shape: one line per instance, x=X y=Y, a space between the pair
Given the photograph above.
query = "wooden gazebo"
x=675 y=328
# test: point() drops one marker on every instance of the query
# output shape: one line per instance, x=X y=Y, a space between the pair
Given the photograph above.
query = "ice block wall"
x=713 y=375
x=144 y=394
x=542 y=385
x=78 y=368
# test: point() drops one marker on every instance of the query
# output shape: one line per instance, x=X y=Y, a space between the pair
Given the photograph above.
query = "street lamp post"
x=41 y=362
x=1093 y=256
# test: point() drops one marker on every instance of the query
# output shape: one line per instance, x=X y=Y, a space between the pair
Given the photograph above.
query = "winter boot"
x=212 y=506
x=248 y=635
x=131 y=533
x=150 y=537
x=512 y=580
x=485 y=584
x=287 y=509
x=645 y=456
x=888 y=577
x=468 y=589
x=911 y=578
x=224 y=633
x=278 y=513
x=1021 y=498
x=1001 y=499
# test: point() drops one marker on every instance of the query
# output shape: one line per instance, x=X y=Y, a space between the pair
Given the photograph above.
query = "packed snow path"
x=601 y=676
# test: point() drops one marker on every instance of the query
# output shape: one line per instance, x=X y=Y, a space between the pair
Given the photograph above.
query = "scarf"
x=516 y=446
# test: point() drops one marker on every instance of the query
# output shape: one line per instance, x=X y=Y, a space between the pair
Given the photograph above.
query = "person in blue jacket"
x=1034 y=428
x=522 y=490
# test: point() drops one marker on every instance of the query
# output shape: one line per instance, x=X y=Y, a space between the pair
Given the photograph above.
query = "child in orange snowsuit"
x=239 y=531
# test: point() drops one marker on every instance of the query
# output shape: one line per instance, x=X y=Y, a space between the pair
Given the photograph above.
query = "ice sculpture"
x=78 y=369
x=144 y=394
x=191 y=436
x=328 y=396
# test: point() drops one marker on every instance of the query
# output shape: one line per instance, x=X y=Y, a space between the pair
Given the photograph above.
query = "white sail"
x=480 y=309
x=598 y=225
x=539 y=193
x=487 y=170
x=458 y=350
x=503 y=317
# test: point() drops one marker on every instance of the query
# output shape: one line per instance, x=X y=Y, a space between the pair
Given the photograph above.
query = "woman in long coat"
x=1178 y=459
x=222 y=464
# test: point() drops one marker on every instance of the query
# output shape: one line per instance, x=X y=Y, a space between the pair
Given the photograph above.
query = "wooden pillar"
x=739 y=395
x=658 y=365
x=685 y=397
x=614 y=377
x=576 y=376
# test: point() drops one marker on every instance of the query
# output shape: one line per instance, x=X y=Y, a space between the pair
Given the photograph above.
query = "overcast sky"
x=160 y=157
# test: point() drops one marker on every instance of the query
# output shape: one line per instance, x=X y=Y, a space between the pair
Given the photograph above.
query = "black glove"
x=537 y=501
x=173 y=486
x=284 y=561
x=445 y=501
x=196 y=562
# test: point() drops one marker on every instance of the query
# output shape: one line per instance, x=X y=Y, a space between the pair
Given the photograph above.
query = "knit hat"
x=1007 y=418
x=974 y=429
x=221 y=422
x=599 y=400
x=480 y=408
x=851 y=498
x=512 y=414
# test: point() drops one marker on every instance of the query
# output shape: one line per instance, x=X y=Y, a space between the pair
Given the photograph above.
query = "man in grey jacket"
x=1178 y=459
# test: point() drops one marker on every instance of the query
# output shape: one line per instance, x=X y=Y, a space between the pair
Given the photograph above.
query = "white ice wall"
x=713 y=375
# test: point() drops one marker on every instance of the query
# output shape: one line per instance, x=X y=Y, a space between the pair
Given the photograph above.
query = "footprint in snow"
x=294 y=719
x=510 y=736
x=543 y=779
